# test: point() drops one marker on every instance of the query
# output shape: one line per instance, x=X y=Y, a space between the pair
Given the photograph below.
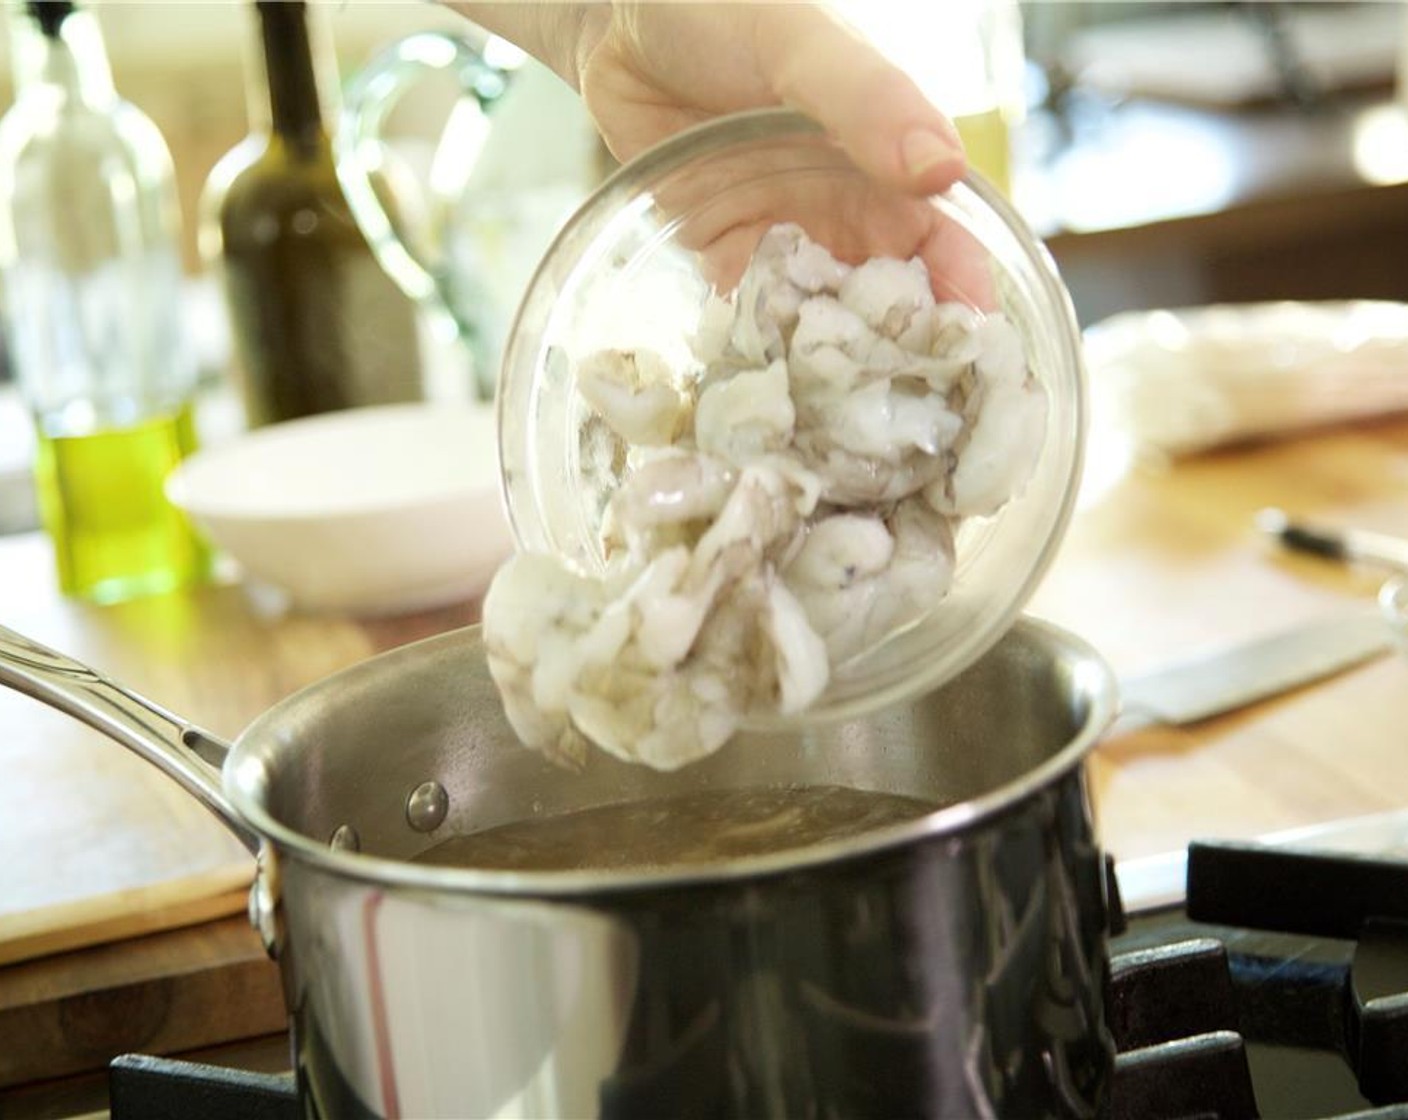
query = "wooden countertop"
x=1167 y=564
x=1158 y=564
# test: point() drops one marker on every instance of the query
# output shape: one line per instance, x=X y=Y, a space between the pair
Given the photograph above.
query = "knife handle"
x=1334 y=544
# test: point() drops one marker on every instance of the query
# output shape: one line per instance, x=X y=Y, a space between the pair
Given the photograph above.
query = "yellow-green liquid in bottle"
x=987 y=139
x=102 y=501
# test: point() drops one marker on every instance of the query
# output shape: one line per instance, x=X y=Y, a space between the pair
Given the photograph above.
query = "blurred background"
x=1170 y=154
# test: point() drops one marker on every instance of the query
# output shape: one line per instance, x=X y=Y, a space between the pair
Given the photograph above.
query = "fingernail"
x=922 y=149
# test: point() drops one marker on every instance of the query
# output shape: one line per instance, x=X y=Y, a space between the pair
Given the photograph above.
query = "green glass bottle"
x=317 y=325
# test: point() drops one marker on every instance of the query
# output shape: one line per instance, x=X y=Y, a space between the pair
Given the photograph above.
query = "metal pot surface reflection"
x=950 y=966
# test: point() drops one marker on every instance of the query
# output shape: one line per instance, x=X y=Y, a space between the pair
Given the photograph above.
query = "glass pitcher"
x=495 y=190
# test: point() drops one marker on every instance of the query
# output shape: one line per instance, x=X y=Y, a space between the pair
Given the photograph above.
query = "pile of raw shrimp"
x=789 y=504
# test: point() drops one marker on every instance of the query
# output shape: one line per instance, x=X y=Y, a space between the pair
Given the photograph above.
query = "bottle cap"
x=50 y=14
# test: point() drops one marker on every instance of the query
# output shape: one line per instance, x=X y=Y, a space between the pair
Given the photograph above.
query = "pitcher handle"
x=181 y=750
x=358 y=144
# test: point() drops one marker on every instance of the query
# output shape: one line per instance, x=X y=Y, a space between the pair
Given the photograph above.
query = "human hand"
x=648 y=69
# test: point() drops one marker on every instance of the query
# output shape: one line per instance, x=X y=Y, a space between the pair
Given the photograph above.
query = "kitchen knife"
x=1359 y=545
x=1205 y=686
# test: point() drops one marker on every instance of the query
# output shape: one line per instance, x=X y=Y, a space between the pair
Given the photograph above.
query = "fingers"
x=959 y=267
x=879 y=116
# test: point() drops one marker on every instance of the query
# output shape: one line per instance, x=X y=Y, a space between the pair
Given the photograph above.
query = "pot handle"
x=181 y=750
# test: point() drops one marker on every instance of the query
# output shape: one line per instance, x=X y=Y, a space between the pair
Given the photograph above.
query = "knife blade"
x=1201 y=687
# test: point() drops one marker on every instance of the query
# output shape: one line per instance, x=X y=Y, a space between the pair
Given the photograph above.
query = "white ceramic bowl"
x=369 y=511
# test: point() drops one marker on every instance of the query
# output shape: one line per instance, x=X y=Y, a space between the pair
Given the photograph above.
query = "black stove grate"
x=1363 y=1006
x=1283 y=962
x=1277 y=954
x=145 y=1088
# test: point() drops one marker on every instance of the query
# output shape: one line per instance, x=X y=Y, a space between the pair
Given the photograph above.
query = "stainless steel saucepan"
x=950 y=966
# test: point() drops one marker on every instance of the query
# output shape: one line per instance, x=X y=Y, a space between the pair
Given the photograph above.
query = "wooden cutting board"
x=95 y=844
x=159 y=994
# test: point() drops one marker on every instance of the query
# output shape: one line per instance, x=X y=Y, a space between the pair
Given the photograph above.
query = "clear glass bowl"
x=633 y=267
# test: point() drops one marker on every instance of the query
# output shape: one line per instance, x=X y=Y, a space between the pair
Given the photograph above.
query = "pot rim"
x=245 y=775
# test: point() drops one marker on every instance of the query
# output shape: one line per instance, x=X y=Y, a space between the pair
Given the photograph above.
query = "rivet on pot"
x=427 y=806
x=345 y=839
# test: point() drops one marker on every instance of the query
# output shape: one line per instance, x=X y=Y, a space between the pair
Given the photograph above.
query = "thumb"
x=820 y=66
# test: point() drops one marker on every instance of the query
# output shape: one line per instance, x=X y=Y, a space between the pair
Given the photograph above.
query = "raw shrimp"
x=785 y=506
x=632 y=391
x=748 y=415
x=861 y=578
x=662 y=668
x=1005 y=424
x=755 y=329
x=665 y=500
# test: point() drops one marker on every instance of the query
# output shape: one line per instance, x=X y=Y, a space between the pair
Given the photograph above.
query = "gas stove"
x=1277 y=986
x=1247 y=980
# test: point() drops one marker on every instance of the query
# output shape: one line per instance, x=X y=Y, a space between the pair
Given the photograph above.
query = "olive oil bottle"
x=987 y=140
x=317 y=324
x=115 y=534
x=92 y=284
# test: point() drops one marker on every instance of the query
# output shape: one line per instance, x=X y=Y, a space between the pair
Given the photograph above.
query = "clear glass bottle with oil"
x=985 y=96
x=968 y=57
x=91 y=273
